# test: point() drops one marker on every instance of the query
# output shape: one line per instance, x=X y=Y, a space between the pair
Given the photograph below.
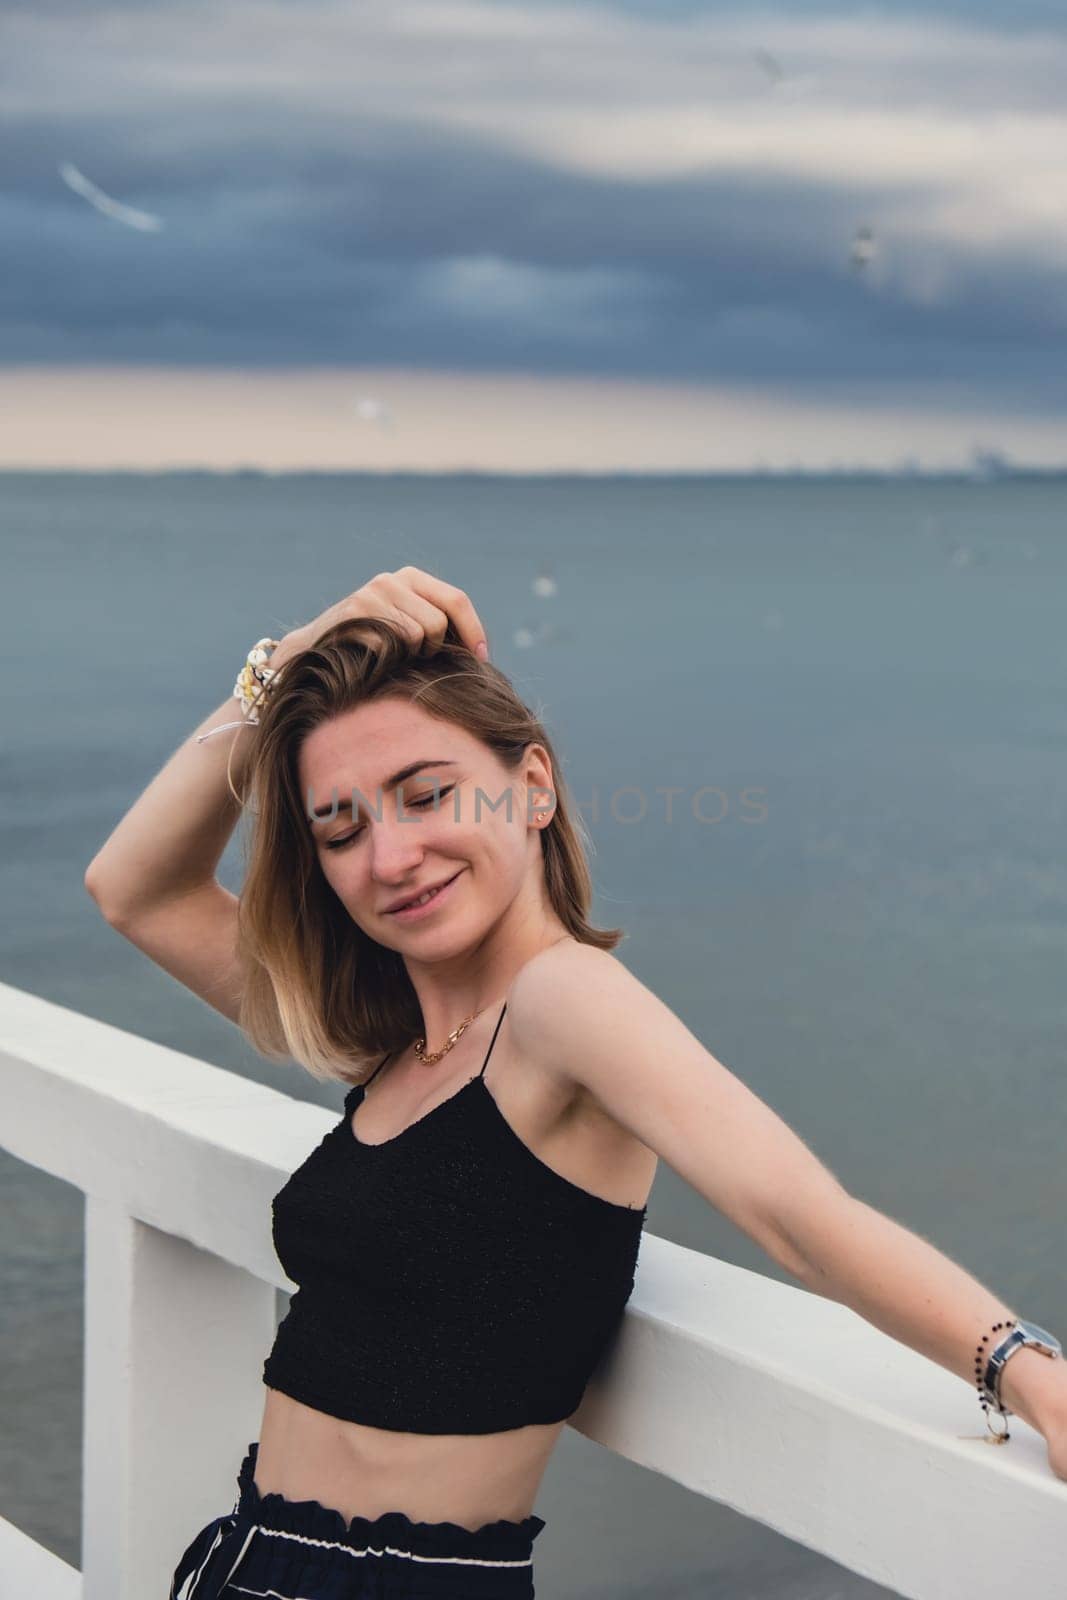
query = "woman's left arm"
x=590 y=1020
x=906 y=1287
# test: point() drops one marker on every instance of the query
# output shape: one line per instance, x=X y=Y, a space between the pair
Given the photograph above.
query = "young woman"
x=464 y=1239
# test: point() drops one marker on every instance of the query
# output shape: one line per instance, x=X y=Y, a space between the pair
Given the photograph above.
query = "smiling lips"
x=401 y=905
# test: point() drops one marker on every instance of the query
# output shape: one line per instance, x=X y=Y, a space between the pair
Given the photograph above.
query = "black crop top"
x=449 y=1281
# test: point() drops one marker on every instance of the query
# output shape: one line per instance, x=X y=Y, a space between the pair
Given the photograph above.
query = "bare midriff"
x=469 y=1479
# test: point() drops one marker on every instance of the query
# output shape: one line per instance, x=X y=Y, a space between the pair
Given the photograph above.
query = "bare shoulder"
x=555 y=1007
x=568 y=955
x=599 y=1032
x=564 y=992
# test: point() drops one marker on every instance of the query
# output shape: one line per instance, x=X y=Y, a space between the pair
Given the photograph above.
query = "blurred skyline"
x=519 y=236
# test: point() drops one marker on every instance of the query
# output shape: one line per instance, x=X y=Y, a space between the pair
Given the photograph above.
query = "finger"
x=456 y=603
x=420 y=619
x=383 y=597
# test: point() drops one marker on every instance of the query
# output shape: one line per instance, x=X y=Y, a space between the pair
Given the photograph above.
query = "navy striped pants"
x=280 y=1549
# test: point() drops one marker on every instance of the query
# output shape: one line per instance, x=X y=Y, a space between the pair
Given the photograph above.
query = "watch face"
x=1041 y=1335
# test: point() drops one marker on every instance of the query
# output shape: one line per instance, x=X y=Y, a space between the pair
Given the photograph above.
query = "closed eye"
x=418 y=804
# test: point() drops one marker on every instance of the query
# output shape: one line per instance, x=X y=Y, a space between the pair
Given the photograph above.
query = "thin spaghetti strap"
x=377 y=1069
x=492 y=1041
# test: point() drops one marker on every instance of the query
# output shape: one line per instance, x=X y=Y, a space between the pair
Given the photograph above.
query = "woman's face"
x=479 y=835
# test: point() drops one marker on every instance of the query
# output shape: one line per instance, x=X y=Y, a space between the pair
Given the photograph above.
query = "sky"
x=462 y=234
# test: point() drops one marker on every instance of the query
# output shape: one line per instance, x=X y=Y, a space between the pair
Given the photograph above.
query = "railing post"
x=174 y=1338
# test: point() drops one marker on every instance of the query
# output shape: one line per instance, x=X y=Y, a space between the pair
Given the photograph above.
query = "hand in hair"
x=420 y=604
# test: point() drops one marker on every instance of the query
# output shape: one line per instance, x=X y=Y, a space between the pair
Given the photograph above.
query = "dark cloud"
x=299 y=228
x=992 y=13
x=1007 y=14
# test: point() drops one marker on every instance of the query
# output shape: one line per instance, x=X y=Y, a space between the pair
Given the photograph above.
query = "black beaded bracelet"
x=979 y=1372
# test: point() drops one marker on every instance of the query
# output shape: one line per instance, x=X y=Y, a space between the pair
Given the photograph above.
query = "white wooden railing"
x=783 y=1405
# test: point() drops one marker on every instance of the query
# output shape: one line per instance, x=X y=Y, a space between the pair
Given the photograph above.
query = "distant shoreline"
x=974 y=475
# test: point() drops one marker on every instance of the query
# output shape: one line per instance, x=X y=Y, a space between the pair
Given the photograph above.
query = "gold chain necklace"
x=420 y=1044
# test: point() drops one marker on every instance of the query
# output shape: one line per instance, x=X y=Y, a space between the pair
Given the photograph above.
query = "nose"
x=395 y=850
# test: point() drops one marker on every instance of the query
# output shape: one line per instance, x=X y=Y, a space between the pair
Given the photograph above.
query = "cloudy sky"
x=379 y=233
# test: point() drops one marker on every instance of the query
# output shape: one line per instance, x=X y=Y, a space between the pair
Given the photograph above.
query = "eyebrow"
x=389 y=784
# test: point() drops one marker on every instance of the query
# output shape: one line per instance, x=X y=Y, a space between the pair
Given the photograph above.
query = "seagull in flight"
x=864 y=248
x=143 y=221
x=371 y=410
x=782 y=82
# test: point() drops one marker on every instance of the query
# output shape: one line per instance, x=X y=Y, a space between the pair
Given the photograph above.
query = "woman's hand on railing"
x=1056 y=1439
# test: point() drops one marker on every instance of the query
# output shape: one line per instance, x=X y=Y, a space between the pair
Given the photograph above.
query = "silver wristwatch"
x=1024 y=1333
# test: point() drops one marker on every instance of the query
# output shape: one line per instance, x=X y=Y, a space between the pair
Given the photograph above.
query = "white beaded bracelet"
x=252 y=679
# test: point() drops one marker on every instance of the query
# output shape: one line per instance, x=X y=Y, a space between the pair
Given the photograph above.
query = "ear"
x=539 y=780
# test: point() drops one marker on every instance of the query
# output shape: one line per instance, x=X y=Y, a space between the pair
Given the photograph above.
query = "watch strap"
x=1023 y=1334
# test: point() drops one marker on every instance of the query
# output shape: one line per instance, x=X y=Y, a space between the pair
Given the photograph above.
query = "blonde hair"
x=317 y=988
